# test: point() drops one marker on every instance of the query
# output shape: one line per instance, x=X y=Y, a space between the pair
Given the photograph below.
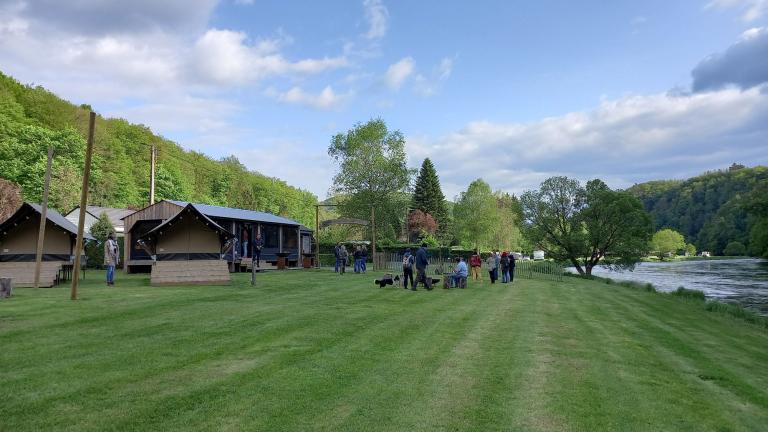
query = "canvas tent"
x=92 y=214
x=280 y=235
x=188 y=248
x=18 y=245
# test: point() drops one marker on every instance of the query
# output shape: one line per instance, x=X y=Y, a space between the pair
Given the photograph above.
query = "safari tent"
x=92 y=214
x=188 y=249
x=282 y=236
x=18 y=245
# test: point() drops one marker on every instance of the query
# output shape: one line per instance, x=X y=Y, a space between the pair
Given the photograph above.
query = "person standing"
x=356 y=256
x=512 y=262
x=475 y=263
x=497 y=257
x=408 y=269
x=344 y=258
x=337 y=257
x=421 y=267
x=504 y=267
x=258 y=244
x=244 y=236
x=491 y=263
x=111 y=258
x=364 y=258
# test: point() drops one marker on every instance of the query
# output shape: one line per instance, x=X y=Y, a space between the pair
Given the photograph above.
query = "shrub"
x=689 y=294
x=735 y=248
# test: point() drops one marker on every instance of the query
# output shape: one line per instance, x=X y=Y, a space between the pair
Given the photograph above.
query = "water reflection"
x=743 y=281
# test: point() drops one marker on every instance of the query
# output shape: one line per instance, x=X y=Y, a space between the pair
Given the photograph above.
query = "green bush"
x=735 y=248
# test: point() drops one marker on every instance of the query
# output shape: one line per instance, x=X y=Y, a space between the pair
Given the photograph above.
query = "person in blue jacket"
x=421 y=267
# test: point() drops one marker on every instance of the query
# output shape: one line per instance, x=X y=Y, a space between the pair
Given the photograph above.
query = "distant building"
x=92 y=214
x=705 y=254
x=538 y=254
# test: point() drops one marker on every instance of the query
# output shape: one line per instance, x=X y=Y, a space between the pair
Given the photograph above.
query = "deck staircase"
x=196 y=272
x=23 y=273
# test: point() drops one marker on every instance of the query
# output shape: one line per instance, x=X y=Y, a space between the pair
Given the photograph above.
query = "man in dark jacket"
x=421 y=267
x=258 y=244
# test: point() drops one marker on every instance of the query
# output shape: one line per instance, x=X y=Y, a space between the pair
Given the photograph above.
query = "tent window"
x=290 y=238
x=271 y=235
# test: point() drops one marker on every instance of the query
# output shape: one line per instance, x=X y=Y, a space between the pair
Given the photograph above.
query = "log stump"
x=6 y=287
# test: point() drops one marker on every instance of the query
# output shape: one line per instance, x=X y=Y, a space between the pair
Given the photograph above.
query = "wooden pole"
x=373 y=235
x=153 y=160
x=43 y=218
x=317 y=235
x=83 y=204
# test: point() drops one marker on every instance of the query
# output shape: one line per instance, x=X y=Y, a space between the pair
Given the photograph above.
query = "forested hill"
x=31 y=118
x=710 y=210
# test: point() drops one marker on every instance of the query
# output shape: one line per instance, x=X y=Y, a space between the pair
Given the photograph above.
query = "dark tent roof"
x=52 y=215
x=240 y=214
x=226 y=235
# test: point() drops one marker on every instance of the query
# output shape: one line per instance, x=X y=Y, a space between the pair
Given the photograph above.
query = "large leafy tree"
x=586 y=226
x=428 y=196
x=667 y=242
x=372 y=173
x=476 y=216
x=506 y=233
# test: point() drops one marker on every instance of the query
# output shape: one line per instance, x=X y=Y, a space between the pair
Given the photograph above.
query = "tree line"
x=32 y=118
x=714 y=209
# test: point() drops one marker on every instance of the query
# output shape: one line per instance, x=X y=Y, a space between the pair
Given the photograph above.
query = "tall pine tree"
x=428 y=196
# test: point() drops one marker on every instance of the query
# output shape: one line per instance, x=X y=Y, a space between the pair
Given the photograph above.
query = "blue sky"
x=512 y=92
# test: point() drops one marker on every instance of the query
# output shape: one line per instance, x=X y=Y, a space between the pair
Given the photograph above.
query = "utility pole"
x=373 y=235
x=153 y=160
x=83 y=204
x=43 y=218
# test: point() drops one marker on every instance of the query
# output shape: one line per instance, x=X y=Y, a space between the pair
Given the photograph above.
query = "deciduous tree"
x=586 y=226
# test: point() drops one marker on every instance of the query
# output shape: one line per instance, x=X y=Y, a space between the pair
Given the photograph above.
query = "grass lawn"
x=308 y=350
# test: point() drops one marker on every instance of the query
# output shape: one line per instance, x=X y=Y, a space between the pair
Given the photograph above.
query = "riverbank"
x=310 y=350
x=692 y=258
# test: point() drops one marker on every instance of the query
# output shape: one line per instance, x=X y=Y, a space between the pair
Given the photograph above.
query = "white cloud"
x=398 y=73
x=620 y=140
x=377 y=16
x=325 y=100
x=752 y=9
x=226 y=57
x=429 y=86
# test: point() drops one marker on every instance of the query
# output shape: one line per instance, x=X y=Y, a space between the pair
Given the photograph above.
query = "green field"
x=316 y=351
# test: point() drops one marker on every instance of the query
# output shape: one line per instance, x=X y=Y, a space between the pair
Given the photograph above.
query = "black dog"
x=386 y=280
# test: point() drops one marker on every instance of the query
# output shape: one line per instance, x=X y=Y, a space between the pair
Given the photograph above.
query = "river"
x=742 y=281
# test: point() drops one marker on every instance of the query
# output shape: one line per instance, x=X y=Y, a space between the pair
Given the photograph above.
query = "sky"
x=509 y=91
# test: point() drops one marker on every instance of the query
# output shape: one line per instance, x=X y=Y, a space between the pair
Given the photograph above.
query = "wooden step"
x=23 y=273
x=198 y=272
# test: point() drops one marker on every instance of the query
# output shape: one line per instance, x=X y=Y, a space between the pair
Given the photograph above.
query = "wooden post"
x=43 y=218
x=373 y=236
x=83 y=204
x=153 y=160
x=317 y=235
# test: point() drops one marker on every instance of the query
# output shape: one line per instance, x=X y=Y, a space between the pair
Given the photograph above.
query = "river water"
x=742 y=281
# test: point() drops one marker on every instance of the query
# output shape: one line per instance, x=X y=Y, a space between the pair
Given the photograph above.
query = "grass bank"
x=314 y=351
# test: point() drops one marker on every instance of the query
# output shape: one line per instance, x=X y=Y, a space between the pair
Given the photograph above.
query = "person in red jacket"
x=475 y=263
